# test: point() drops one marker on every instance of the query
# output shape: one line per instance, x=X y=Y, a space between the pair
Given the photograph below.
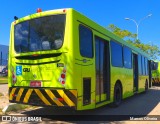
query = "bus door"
x=102 y=70
x=87 y=65
x=135 y=72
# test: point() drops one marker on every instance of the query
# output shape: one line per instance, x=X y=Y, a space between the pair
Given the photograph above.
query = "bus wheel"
x=117 y=95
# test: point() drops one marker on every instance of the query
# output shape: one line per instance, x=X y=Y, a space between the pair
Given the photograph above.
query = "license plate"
x=35 y=84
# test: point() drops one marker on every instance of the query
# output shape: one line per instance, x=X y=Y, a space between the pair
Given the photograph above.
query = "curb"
x=13 y=107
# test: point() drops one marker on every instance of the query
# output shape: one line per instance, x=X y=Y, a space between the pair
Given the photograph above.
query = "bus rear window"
x=40 y=34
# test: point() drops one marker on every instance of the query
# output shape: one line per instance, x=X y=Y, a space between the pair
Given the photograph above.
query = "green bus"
x=61 y=58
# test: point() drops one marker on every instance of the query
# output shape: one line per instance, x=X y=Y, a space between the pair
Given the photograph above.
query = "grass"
x=3 y=80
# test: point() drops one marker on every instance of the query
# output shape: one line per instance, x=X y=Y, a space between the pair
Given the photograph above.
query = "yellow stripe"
x=65 y=97
x=42 y=97
x=19 y=94
x=27 y=95
x=52 y=96
x=74 y=92
x=12 y=92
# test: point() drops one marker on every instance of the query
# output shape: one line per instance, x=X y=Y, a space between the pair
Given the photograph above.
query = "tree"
x=121 y=33
x=152 y=50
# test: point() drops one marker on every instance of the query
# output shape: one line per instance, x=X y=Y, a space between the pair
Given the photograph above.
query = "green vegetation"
x=152 y=50
x=3 y=80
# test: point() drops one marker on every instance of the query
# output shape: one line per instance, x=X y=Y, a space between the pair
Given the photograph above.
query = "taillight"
x=62 y=77
x=63 y=82
x=14 y=79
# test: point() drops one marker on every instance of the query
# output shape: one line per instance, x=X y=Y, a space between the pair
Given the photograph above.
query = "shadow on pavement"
x=137 y=106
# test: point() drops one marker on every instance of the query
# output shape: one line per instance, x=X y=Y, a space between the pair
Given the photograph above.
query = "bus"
x=61 y=58
x=155 y=73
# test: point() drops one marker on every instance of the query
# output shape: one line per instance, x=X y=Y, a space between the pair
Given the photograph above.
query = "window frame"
x=130 y=57
x=122 y=64
x=81 y=25
x=29 y=33
x=140 y=71
x=146 y=66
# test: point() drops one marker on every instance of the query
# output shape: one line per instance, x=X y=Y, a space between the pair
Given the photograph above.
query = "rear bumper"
x=43 y=96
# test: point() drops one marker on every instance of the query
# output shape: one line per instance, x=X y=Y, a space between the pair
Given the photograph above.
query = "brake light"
x=63 y=82
x=62 y=77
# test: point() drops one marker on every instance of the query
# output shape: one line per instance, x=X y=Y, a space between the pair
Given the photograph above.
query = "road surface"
x=4 y=88
x=141 y=105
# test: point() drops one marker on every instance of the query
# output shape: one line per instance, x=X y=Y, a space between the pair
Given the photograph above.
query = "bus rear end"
x=38 y=61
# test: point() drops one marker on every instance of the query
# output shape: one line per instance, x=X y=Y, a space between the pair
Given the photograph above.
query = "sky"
x=103 y=12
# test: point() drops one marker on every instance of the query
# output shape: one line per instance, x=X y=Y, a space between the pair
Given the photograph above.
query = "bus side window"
x=127 y=57
x=86 y=41
x=116 y=54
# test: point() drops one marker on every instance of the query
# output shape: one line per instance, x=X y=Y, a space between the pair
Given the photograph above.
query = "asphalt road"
x=141 y=105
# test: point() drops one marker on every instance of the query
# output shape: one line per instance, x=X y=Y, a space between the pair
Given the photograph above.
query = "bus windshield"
x=40 y=34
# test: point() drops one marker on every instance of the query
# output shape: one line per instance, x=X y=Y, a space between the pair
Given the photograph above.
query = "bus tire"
x=117 y=95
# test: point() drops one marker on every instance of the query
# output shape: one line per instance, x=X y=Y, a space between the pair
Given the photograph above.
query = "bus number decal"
x=26 y=69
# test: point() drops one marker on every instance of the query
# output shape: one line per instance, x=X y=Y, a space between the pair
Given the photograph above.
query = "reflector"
x=60 y=99
x=39 y=10
x=64 y=10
